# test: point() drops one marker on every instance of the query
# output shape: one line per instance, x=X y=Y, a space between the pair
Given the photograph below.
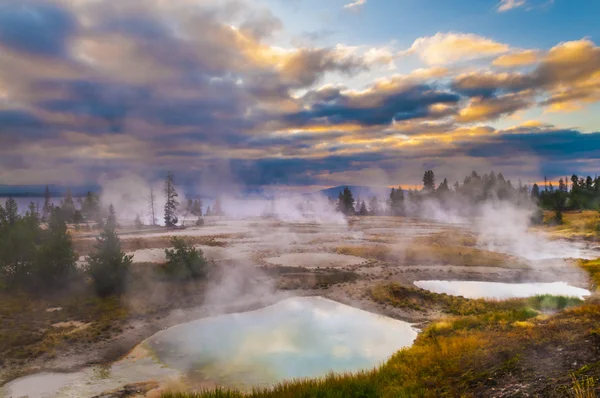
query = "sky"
x=300 y=94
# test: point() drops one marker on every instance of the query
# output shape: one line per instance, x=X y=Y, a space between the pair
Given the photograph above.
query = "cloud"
x=381 y=105
x=448 y=48
x=35 y=28
x=518 y=58
x=506 y=5
x=355 y=5
x=566 y=75
x=197 y=87
x=485 y=109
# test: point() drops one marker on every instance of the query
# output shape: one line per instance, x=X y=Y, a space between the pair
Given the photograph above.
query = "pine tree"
x=363 y=209
x=346 y=202
x=55 y=265
x=396 y=202
x=171 y=203
x=138 y=222
x=429 y=181
x=12 y=211
x=153 y=220
x=68 y=206
x=197 y=209
x=374 y=208
x=217 y=209
x=111 y=221
x=47 y=209
x=108 y=265
x=208 y=211
x=90 y=207
x=535 y=192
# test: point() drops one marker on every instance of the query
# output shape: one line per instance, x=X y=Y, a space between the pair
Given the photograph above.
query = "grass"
x=593 y=268
x=583 y=388
x=26 y=330
x=493 y=345
x=85 y=246
x=442 y=248
x=576 y=225
x=422 y=300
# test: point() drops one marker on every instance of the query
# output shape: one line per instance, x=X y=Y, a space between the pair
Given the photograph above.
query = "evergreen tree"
x=443 y=188
x=47 y=209
x=535 y=192
x=111 y=221
x=197 y=208
x=217 y=209
x=138 y=222
x=17 y=247
x=171 y=201
x=153 y=219
x=68 y=206
x=12 y=211
x=374 y=208
x=77 y=217
x=184 y=261
x=208 y=211
x=90 y=207
x=55 y=265
x=429 y=181
x=346 y=202
x=396 y=202
x=363 y=209
x=108 y=265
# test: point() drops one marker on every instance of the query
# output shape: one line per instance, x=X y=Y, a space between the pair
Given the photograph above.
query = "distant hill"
x=358 y=191
x=20 y=191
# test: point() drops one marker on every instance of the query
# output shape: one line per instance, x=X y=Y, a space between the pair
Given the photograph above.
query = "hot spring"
x=501 y=291
x=295 y=338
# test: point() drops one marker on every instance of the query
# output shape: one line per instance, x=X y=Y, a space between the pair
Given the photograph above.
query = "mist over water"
x=295 y=338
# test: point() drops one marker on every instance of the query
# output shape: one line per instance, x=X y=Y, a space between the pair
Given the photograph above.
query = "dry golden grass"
x=423 y=252
x=465 y=357
x=576 y=225
x=85 y=246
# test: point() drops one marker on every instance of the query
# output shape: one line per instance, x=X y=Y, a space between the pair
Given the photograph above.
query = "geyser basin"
x=499 y=291
x=295 y=338
x=314 y=260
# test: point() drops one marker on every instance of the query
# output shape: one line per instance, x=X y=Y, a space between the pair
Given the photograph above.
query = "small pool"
x=295 y=338
x=499 y=291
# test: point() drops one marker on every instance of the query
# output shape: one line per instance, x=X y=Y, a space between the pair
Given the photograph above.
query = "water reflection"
x=496 y=290
x=295 y=338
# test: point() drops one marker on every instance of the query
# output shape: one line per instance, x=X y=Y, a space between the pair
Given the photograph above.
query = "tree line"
x=583 y=193
x=89 y=210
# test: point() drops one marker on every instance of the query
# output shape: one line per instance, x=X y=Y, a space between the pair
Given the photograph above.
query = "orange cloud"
x=520 y=58
x=447 y=48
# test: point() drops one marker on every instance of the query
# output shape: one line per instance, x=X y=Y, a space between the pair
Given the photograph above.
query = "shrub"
x=184 y=261
x=109 y=266
x=537 y=218
x=200 y=222
x=138 y=222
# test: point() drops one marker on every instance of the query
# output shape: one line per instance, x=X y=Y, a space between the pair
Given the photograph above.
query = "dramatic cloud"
x=96 y=88
x=447 y=48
